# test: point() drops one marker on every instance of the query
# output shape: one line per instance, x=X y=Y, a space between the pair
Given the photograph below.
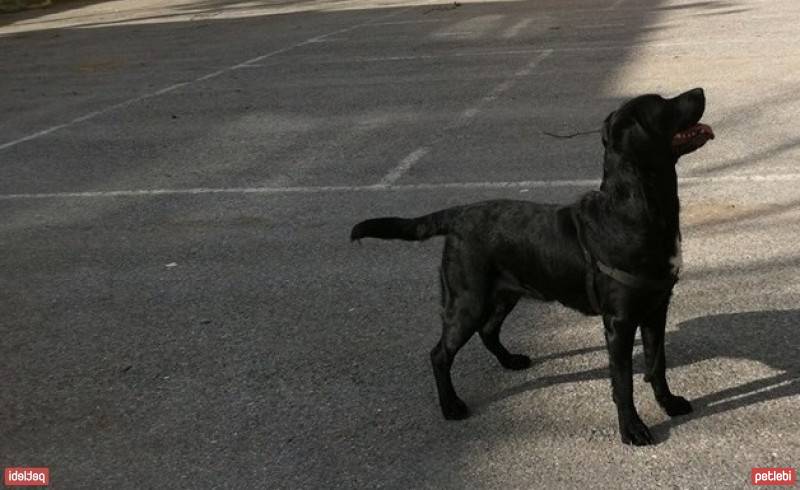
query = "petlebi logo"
x=773 y=476
x=26 y=477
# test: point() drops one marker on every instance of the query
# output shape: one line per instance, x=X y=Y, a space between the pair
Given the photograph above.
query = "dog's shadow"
x=767 y=337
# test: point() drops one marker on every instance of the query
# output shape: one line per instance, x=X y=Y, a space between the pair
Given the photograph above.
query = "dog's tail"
x=412 y=229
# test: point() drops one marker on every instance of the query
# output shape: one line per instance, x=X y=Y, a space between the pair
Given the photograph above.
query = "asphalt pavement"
x=180 y=306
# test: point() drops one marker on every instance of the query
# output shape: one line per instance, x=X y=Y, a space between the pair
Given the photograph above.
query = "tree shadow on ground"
x=767 y=337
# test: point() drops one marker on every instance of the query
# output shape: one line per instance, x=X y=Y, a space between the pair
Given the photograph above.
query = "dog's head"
x=650 y=129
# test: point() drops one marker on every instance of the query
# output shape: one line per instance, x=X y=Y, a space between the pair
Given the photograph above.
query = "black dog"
x=615 y=252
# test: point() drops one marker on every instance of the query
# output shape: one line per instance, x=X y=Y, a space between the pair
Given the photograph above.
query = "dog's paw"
x=517 y=362
x=675 y=405
x=455 y=410
x=633 y=431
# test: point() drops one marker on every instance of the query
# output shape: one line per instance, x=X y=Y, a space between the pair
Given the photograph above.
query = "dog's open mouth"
x=690 y=139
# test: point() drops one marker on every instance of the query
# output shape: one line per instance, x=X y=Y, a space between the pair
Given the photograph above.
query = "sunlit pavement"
x=180 y=305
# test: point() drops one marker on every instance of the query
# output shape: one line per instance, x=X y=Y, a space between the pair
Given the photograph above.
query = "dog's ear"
x=653 y=119
x=618 y=129
x=638 y=137
x=606 y=132
x=642 y=132
x=625 y=133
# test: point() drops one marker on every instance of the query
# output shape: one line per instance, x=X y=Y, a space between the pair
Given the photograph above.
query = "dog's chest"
x=676 y=260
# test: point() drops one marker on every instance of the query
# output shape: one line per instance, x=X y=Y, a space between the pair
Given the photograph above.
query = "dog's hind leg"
x=655 y=363
x=503 y=303
x=463 y=280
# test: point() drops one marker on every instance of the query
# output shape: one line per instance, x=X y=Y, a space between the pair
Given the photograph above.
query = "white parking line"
x=404 y=22
x=514 y=30
x=599 y=26
x=299 y=190
x=165 y=90
x=466 y=116
x=615 y=5
x=405 y=164
x=524 y=184
x=176 y=86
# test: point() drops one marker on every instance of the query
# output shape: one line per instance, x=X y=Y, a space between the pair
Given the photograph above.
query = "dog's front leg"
x=655 y=363
x=620 y=333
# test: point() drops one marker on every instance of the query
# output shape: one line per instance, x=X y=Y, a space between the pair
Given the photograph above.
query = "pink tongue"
x=702 y=133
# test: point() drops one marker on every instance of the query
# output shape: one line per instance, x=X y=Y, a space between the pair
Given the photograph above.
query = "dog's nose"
x=697 y=92
x=695 y=96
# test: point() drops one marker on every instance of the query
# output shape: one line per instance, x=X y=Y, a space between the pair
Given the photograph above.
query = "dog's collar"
x=636 y=281
x=618 y=275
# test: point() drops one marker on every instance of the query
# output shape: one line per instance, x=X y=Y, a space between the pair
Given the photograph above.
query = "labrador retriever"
x=616 y=252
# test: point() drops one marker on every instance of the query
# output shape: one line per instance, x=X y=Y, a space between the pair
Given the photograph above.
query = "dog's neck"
x=625 y=183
